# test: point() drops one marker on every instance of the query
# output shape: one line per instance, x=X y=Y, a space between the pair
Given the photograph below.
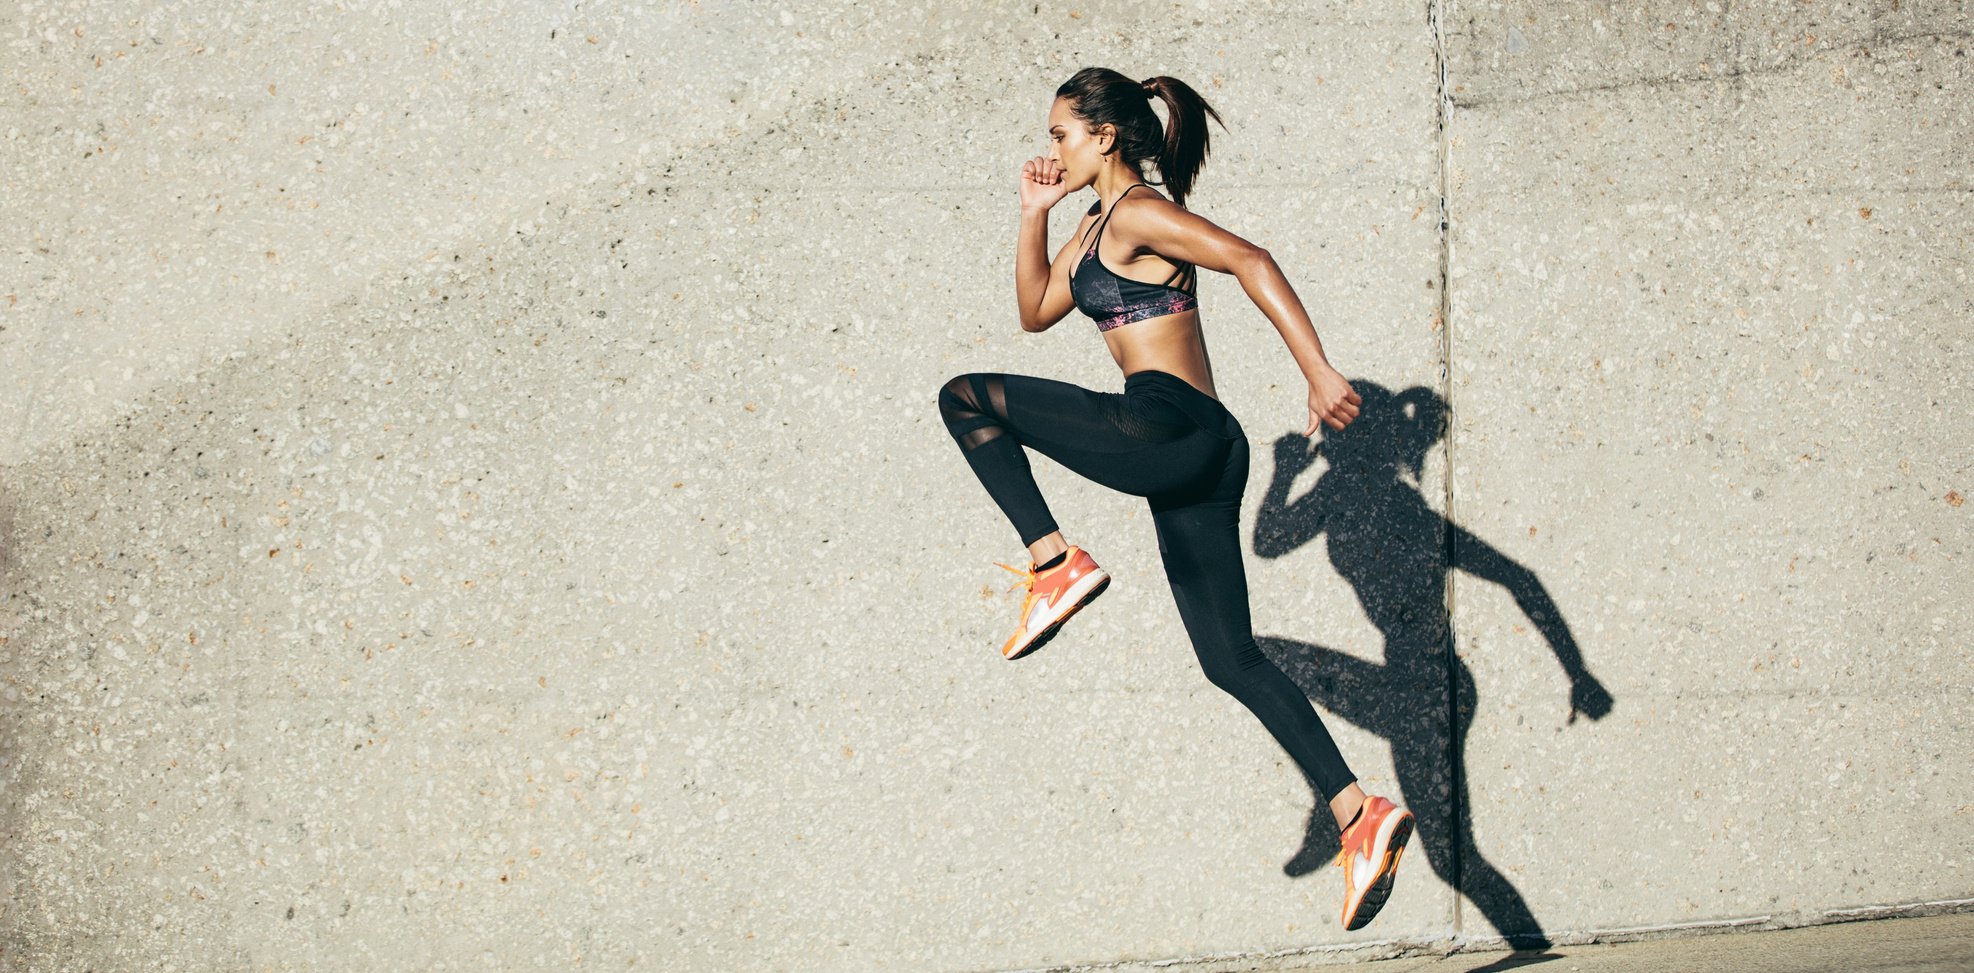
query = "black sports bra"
x=1112 y=299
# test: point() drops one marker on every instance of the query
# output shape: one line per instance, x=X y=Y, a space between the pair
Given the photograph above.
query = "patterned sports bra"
x=1113 y=300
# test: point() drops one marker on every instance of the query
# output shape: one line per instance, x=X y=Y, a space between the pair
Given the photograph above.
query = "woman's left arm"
x=1176 y=234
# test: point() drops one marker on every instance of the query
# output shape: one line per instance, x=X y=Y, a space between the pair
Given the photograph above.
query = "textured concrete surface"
x=1710 y=303
x=472 y=493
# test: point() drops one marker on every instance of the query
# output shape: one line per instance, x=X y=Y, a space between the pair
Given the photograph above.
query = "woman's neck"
x=1113 y=183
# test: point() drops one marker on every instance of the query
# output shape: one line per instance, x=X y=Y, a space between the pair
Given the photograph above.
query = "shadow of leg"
x=1483 y=884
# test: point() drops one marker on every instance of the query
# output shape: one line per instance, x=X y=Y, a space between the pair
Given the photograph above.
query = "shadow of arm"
x=1282 y=525
x=1480 y=559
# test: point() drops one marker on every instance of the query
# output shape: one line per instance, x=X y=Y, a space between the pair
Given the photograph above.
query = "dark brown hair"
x=1100 y=95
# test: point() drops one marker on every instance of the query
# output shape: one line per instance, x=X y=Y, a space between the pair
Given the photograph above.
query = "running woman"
x=1132 y=267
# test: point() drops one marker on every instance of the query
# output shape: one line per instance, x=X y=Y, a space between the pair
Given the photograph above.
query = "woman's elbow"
x=1253 y=260
x=1036 y=322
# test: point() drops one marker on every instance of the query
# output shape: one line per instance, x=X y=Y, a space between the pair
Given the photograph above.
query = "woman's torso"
x=1171 y=343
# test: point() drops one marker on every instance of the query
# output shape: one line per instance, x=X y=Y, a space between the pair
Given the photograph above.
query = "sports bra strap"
x=1113 y=209
x=1181 y=271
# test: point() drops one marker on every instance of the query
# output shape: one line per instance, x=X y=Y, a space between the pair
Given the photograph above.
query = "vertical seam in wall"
x=1443 y=112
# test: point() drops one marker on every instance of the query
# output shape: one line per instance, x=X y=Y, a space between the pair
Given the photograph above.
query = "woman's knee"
x=1243 y=671
x=956 y=397
x=1219 y=669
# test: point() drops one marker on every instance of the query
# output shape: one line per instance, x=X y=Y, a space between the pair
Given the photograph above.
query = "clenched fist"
x=1332 y=402
x=1041 y=184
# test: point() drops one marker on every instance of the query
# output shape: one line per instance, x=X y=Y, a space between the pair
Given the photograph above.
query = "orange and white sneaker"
x=1053 y=596
x=1371 y=848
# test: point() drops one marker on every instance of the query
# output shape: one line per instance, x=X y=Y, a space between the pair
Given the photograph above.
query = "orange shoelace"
x=1027 y=576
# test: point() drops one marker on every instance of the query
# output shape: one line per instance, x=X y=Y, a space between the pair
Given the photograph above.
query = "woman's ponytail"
x=1186 y=143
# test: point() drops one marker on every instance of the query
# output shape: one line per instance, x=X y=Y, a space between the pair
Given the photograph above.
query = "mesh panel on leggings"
x=959 y=404
x=1161 y=425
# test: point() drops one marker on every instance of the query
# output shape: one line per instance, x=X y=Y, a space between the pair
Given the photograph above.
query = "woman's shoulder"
x=1141 y=201
x=1136 y=207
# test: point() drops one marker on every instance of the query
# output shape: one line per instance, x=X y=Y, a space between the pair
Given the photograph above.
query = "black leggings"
x=1167 y=441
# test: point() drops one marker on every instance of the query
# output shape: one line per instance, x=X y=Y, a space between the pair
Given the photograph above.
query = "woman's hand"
x=1041 y=184
x=1331 y=401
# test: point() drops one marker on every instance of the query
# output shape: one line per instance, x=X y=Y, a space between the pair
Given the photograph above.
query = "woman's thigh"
x=1199 y=540
x=1139 y=447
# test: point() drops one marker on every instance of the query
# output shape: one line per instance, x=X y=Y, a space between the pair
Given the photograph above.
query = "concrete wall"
x=473 y=494
x=1711 y=297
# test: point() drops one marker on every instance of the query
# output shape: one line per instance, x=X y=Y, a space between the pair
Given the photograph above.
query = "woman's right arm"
x=1041 y=285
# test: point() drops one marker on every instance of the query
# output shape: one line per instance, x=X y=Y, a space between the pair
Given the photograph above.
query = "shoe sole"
x=1380 y=890
x=1048 y=633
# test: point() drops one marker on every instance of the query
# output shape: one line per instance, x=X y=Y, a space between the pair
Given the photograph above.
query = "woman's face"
x=1074 y=148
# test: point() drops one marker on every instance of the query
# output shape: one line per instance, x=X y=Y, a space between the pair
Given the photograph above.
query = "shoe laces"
x=1027 y=576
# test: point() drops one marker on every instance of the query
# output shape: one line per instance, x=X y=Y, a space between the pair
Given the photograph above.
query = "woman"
x=1167 y=438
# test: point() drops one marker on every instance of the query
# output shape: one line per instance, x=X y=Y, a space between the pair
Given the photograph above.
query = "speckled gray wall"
x=472 y=494
x=1711 y=431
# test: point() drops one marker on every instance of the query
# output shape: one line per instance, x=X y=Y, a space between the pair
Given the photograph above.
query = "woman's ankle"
x=1351 y=800
x=1047 y=548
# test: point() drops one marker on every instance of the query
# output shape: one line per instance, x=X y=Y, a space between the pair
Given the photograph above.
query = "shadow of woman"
x=1392 y=548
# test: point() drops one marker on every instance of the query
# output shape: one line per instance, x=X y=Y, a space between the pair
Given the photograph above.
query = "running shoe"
x=1371 y=848
x=1053 y=596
